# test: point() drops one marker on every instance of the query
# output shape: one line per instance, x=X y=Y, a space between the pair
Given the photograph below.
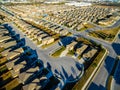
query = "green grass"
x=89 y=25
x=34 y=39
x=89 y=71
x=58 y=52
x=48 y=45
x=82 y=29
x=84 y=40
x=79 y=57
x=107 y=35
x=71 y=52
x=39 y=42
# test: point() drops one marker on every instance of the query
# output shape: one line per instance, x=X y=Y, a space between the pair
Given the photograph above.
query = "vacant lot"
x=107 y=35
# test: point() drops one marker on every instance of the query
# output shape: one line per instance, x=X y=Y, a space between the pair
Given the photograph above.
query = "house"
x=59 y=29
x=47 y=40
x=19 y=66
x=63 y=32
x=34 y=33
x=4 y=38
x=8 y=44
x=80 y=26
x=39 y=82
x=14 y=74
x=53 y=28
x=80 y=50
x=87 y=56
x=33 y=85
x=28 y=74
x=71 y=45
x=10 y=64
x=43 y=35
x=5 y=52
x=14 y=53
x=3 y=32
x=38 y=34
x=30 y=31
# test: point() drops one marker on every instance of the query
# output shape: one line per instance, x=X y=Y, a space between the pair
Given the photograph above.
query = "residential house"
x=71 y=45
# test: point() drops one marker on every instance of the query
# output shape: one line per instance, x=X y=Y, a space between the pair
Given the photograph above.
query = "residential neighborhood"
x=59 y=45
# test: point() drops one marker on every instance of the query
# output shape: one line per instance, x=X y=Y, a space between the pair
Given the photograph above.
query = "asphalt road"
x=69 y=64
x=101 y=77
x=66 y=68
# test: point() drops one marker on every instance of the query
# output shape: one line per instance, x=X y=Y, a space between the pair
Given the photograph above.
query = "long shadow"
x=78 y=66
x=117 y=74
x=65 y=73
x=119 y=36
x=19 y=60
x=116 y=47
x=16 y=37
x=109 y=63
x=67 y=40
x=34 y=74
x=9 y=40
x=73 y=70
x=93 y=86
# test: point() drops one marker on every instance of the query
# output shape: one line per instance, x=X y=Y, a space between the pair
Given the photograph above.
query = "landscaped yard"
x=88 y=25
x=107 y=35
x=58 y=52
x=89 y=71
x=79 y=57
x=39 y=42
x=71 y=52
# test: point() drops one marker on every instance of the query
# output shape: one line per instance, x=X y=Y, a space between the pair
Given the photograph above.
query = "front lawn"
x=58 y=52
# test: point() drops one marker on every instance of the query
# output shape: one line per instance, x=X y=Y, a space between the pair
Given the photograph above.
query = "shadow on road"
x=93 y=86
x=119 y=36
x=109 y=62
x=116 y=47
x=117 y=74
x=67 y=40
x=102 y=77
